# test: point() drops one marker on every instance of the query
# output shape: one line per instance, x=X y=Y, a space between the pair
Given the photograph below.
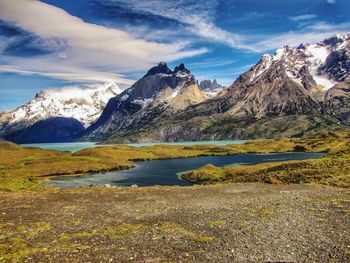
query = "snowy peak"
x=82 y=104
x=181 y=69
x=327 y=62
x=157 y=79
x=338 y=41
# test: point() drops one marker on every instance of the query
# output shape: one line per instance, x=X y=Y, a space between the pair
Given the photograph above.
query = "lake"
x=167 y=171
x=76 y=146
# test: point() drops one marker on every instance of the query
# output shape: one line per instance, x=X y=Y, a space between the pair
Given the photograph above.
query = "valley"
x=174 y=131
x=23 y=168
x=290 y=210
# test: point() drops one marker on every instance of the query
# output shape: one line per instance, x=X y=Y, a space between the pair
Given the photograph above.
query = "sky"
x=56 y=43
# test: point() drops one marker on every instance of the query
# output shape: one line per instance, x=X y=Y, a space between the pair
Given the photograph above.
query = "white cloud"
x=69 y=74
x=92 y=49
x=302 y=17
x=331 y=2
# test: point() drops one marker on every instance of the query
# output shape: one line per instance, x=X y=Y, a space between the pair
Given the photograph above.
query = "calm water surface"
x=167 y=171
x=76 y=146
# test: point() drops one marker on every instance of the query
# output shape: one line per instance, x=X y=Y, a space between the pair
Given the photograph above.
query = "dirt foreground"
x=249 y=222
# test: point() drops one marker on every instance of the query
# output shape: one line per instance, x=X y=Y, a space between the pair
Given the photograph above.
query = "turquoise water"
x=76 y=146
x=71 y=147
x=167 y=171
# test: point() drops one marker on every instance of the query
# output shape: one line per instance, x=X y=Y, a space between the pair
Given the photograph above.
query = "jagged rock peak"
x=162 y=67
x=181 y=68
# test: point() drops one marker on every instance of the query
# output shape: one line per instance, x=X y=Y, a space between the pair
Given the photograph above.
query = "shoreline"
x=181 y=174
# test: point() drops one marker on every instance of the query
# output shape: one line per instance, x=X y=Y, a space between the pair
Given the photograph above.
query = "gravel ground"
x=219 y=223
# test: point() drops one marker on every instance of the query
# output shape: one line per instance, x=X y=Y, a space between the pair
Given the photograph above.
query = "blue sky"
x=55 y=43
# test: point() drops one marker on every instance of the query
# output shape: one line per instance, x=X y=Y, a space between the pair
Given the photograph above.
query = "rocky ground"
x=249 y=222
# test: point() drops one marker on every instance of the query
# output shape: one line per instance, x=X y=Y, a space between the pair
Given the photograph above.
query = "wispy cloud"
x=331 y=2
x=310 y=34
x=197 y=16
x=68 y=73
x=90 y=50
x=302 y=17
x=211 y=63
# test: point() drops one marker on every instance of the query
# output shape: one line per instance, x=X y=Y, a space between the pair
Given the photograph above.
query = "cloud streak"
x=302 y=17
x=90 y=51
x=310 y=34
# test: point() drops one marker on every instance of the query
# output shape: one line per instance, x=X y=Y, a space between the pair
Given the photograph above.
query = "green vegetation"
x=23 y=168
x=333 y=169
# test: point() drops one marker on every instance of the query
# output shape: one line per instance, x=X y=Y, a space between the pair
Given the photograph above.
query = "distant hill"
x=55 y=129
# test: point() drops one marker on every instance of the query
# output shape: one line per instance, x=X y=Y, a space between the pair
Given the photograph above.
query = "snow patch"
x=143 y=102
x=326 y=83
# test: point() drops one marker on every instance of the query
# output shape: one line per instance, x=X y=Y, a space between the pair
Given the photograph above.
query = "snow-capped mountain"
x=161 y=92
x=83 y=104
x=292 y=81
x=325 y=62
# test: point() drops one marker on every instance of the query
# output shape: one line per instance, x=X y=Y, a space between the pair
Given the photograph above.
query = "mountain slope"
x=337 y=102
x=290 y=93
x=84 y=105
x=54 y=129
x=160 y=93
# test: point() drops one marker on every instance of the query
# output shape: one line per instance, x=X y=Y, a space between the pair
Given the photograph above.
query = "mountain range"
x=290 y=93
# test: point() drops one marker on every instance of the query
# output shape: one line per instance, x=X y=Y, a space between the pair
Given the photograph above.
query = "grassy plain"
x=23 y=168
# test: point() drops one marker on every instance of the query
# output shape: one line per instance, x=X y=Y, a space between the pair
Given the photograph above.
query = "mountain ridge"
x=289 y=93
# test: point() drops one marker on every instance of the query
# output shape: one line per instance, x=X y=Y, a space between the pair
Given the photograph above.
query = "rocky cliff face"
x=337 y=102
x=293 y=81
x=160 y=93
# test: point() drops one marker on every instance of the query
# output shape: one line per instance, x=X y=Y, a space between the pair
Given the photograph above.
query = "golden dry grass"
x=333 y=169
x=22 y=168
